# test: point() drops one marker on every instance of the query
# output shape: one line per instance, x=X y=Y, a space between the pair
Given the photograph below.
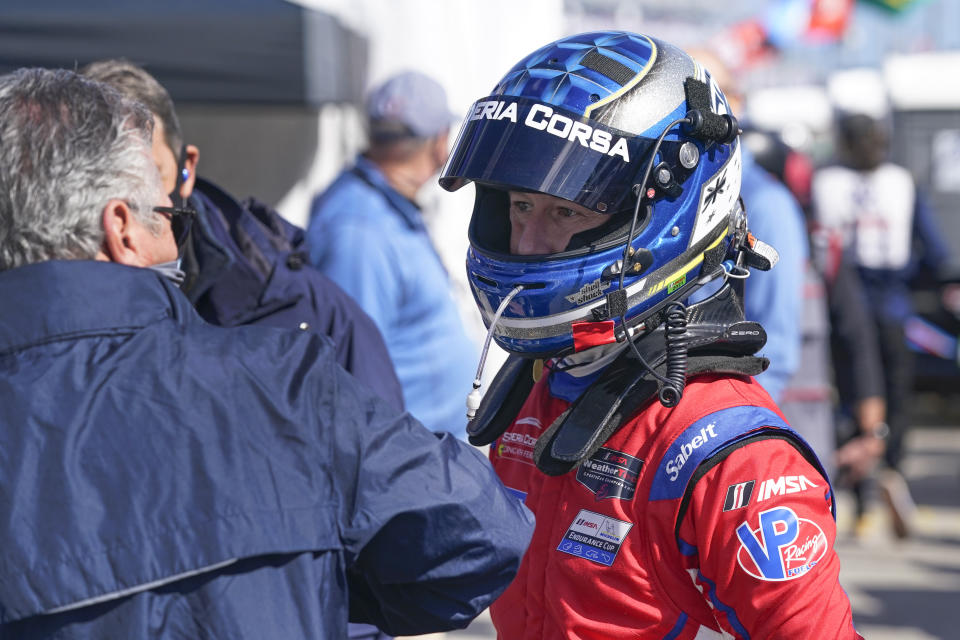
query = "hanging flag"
x=828 y=20
x=794 y=22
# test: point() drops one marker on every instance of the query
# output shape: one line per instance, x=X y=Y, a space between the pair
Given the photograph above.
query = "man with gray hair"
x=243 y=263
x=49 y=199
x=137 y=499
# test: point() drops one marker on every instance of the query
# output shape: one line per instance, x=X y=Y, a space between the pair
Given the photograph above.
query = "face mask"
x=170 y=270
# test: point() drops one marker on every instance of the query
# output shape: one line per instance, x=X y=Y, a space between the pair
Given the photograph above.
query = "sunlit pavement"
x=910 y=590
x=900 y=590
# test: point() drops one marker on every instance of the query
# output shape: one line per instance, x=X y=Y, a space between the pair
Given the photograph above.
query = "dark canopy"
x=236 y=51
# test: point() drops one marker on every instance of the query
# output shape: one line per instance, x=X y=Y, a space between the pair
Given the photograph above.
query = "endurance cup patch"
x=595 y=537
x=610 y=474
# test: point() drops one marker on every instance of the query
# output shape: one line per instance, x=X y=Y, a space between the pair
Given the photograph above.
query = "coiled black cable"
x=675 y=337
x=639 y=191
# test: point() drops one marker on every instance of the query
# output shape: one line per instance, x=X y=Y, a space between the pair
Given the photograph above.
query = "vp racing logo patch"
x=595 y=537
x=784 y=547
x=610 y=474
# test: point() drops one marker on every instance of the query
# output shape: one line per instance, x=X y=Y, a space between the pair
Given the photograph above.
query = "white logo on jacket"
x=686 y=449
x=782 y=486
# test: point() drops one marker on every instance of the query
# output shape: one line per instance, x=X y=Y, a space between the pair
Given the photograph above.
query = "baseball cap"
x=409 y=104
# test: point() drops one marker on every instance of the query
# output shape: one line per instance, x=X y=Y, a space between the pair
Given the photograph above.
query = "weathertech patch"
x=738 y=495
x=610 y=474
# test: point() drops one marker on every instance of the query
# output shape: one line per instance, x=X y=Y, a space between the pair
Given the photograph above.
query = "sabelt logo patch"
x=679 y=454
x=595 y=537
x=784 y=547
x=610 y=474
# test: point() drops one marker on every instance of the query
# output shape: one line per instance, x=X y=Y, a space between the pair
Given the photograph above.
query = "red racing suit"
x=708 y=520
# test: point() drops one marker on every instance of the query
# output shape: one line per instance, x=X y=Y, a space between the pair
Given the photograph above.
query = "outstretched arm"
x=432 y=535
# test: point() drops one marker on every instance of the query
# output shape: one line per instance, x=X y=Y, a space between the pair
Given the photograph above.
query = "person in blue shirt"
x=163 y=477
x=775 y=298
x=367 y=233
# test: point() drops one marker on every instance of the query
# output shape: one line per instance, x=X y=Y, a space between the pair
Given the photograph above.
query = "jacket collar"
x=238 y=258
x=60 y=298
x=211 y=252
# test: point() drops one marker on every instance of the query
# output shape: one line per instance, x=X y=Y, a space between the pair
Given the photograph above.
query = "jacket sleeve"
x=430 y=534
x=761 y=523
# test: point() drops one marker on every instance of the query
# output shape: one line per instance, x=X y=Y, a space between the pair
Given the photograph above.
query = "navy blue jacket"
x=247 y=265
x=161 y=477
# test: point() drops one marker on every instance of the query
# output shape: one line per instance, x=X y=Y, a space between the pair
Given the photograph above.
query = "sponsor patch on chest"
x=610 y=474
x=518 y=442
x=595 y=537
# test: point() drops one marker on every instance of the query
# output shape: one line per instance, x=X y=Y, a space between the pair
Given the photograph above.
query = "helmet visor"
x=527 y=145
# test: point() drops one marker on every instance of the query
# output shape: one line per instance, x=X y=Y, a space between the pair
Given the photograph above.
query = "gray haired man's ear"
x=127 y=241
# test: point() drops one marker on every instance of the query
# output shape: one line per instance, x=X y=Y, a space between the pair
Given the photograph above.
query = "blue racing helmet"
x=627 y=126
